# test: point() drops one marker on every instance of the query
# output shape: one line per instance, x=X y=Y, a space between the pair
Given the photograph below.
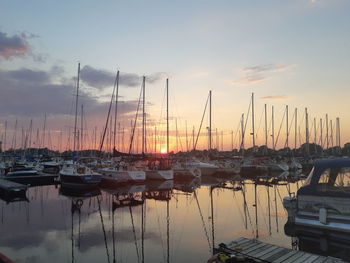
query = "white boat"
x=324 y=199
x=277 y=166
x=120 y=174
x=207 y=169
x=228 y=167
x=156 y=169
x=181 y=171
x=294 y=165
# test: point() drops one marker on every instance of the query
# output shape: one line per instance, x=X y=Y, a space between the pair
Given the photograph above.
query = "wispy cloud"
x=259 y=73
x=13 y=46
x=101 y=78
x=278 y=97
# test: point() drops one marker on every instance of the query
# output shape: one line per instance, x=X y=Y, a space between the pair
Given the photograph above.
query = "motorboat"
x=324 y=200
x=21 y=169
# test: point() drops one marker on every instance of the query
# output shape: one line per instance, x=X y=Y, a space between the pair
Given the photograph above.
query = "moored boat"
x=324 y=200
x=78 y=176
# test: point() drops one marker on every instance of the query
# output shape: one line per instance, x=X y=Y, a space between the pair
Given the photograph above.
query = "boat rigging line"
x=200 y=127
x=109 y=111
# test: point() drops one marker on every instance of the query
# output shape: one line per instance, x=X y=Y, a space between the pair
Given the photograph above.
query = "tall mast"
x=76 y=111
x=155 y=139
x=327 y=142
x=44 y=131
x=273 y=128
x=5 y=135
x=315 y=130
x=167 y=116
x=296 y=129
x=177 y=136
x=82 y=127
x=307 y=131
x=315 y=135
x=321 y=131
x=222 y=140
x=338 y=132
x=287 y=132
x=242 y=129
x=209 y=119
x=186 y=138
x=143 y=114
x=331 y=137
x=265 y=125
x=231 y=140
x=193 y=138
x=116 y=112
x=30 y=133
x=253 y=132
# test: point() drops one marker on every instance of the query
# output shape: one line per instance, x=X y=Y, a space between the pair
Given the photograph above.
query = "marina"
x=174 y=131
x=181 y=219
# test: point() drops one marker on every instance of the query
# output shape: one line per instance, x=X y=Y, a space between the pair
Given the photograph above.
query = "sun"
x=162 y=150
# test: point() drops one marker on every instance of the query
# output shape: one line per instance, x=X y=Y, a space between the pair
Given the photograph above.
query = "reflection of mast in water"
x=72 y=232
x=75 y=206
x=113 y=230
x=203 y=223
x=143 y=226
x=103 y=228
x=256 y=211
x=276 y=207
x=268 y=205
x=245 y=207
x=167 y=230
x=212 y=217
x=134 y=232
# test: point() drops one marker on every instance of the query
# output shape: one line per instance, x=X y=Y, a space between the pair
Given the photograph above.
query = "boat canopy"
x=328 y=178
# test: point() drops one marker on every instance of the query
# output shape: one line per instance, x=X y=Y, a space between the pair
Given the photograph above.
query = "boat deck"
x=264 y=252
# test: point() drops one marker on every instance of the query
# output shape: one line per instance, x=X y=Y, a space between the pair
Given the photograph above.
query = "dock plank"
x=286 y=256
x=303 y=258
x=313 y=258
x=267 y=251
x=258 y=246
x=275 y=254
x=258 y=250
x=294 y=258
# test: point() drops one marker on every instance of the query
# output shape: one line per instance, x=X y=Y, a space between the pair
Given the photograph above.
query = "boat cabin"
x=328 y=178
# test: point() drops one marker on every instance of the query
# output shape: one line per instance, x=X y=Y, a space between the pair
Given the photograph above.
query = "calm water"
x=169 y=222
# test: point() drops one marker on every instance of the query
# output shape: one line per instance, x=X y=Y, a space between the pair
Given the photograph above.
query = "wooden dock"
x=263 y=252
x=9 y=186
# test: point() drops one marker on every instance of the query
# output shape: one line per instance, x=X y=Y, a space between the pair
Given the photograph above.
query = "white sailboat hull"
x=159 y=174
x=123 y=176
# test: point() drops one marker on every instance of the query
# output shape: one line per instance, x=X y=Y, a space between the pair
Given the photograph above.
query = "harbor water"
x=156 y=222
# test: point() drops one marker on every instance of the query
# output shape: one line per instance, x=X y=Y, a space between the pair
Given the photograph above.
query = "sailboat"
x=77 y=175
x=157 y=168
x=120 y=172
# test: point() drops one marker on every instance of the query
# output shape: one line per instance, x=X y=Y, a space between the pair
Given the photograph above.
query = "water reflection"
x=172 y=221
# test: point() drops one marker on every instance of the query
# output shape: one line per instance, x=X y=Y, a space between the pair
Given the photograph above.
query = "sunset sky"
x=293 y=53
